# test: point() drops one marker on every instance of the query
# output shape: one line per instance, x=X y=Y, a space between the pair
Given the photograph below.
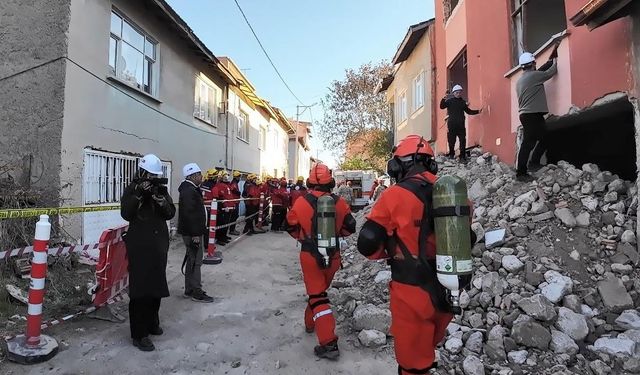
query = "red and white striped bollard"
x=35 y=347
x=212 y=257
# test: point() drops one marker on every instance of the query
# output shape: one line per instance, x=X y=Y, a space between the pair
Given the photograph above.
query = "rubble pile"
x=556 y=293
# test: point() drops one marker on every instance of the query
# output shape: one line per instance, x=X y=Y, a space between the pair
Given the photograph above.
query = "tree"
x=353 y=111
x=355 y=163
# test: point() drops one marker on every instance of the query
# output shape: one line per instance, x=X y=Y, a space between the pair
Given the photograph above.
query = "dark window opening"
x=449 y=6
x=458 y=72
x=602 y=135
x=535 y=22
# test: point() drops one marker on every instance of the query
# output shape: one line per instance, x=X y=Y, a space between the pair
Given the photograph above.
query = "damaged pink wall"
x=591 y=65
x=601 y=59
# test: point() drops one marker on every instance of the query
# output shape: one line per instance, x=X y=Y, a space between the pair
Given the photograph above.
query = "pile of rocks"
x=559 y=294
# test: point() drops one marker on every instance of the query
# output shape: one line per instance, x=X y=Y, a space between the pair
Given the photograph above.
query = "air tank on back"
x=454 y=264
x=326 y=221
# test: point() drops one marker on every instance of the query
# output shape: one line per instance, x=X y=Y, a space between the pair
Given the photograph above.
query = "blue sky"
x=311 y=42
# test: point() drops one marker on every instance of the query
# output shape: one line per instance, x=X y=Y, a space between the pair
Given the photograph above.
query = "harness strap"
x=452 y=211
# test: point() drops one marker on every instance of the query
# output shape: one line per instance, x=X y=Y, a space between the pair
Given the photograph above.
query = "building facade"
x=300 y=156
x=97 y=84
x=409 y=90
x=594 y=85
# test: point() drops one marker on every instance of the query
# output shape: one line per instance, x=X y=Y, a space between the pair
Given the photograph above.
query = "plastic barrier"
x=112 y=273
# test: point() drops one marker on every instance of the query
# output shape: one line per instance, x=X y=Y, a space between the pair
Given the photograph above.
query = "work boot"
x=524 y=177
x=144 y=344
x=157 y=331
x=329 y=351
x=234 y=233
x=201 y=296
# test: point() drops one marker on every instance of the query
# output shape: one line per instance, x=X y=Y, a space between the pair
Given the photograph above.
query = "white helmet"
x=456 y=88
x=526 y=58
x=190 y=169
x=151 y=164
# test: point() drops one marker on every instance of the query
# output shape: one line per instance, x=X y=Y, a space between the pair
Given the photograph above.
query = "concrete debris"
x=538 y=307
x=629 y=319
x=494 y=238
x=573 y=324
x=614 y=295
x=472 y=365
x=372 y=338
x=556 y=288
x=615 y=346
x=371 y=317
x=561 y=343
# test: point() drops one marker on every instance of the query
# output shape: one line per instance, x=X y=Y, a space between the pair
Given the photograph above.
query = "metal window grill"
x=106 y=175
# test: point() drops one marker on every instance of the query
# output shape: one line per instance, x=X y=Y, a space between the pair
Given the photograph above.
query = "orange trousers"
x=417 y=328
x=318 y=314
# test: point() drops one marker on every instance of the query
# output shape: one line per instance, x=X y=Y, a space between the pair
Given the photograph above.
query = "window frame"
x=262 y=144
x=152 y=78
x=211 y=88
x=519 y=28
x=448 y=9
x=245 y=126
x=414 y=88
x=402 y=115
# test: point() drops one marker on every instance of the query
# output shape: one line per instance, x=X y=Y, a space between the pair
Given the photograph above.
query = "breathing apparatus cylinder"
x=326 y=222
x=454 y=264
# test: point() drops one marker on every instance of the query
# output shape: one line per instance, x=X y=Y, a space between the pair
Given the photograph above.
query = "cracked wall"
x=32 y=79
x=106 y=115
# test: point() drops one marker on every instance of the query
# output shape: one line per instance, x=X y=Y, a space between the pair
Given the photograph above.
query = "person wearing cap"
x=147 y=205
x=456 y=107
x=235 y=194
x=251 y=192
x=532 y=104
x=222 y=193
x=318 y=275
x=192 y=225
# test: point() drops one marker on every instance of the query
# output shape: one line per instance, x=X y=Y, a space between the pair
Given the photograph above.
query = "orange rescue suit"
x=318 y=314
x=416 y=325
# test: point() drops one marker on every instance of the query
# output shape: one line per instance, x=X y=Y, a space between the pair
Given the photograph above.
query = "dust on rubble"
x=570 y=243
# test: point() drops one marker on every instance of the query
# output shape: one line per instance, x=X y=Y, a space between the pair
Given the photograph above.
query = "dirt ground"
x=255 y=326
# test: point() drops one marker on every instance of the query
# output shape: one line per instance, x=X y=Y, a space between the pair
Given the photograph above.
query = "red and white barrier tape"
x=53 y=322
x=241 y=220
x=58 y=251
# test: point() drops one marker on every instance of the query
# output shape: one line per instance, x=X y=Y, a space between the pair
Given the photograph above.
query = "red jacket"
x=251 y=190
x=296 y=192
x=280 y=197
x=222 y=192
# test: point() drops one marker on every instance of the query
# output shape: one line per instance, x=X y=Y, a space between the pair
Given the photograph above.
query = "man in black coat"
x=147 y=205
x=456 y=108
x=192 y=225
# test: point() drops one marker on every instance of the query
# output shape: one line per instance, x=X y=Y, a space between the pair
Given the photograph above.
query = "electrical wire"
x=265 y=53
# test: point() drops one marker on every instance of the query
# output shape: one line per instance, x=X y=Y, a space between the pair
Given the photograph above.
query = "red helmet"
x=412 y=145
x=320 y=174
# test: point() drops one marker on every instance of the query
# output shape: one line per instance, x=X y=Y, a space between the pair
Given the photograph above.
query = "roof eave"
x=186 y=30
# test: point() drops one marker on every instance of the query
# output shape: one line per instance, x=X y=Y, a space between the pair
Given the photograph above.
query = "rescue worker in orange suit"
x=207 y=185
x=279 y=203
x=235 y=193
x=298 y=190
x=420 y=309
x=222 y=192
x=317 y=274
x=251 y=191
